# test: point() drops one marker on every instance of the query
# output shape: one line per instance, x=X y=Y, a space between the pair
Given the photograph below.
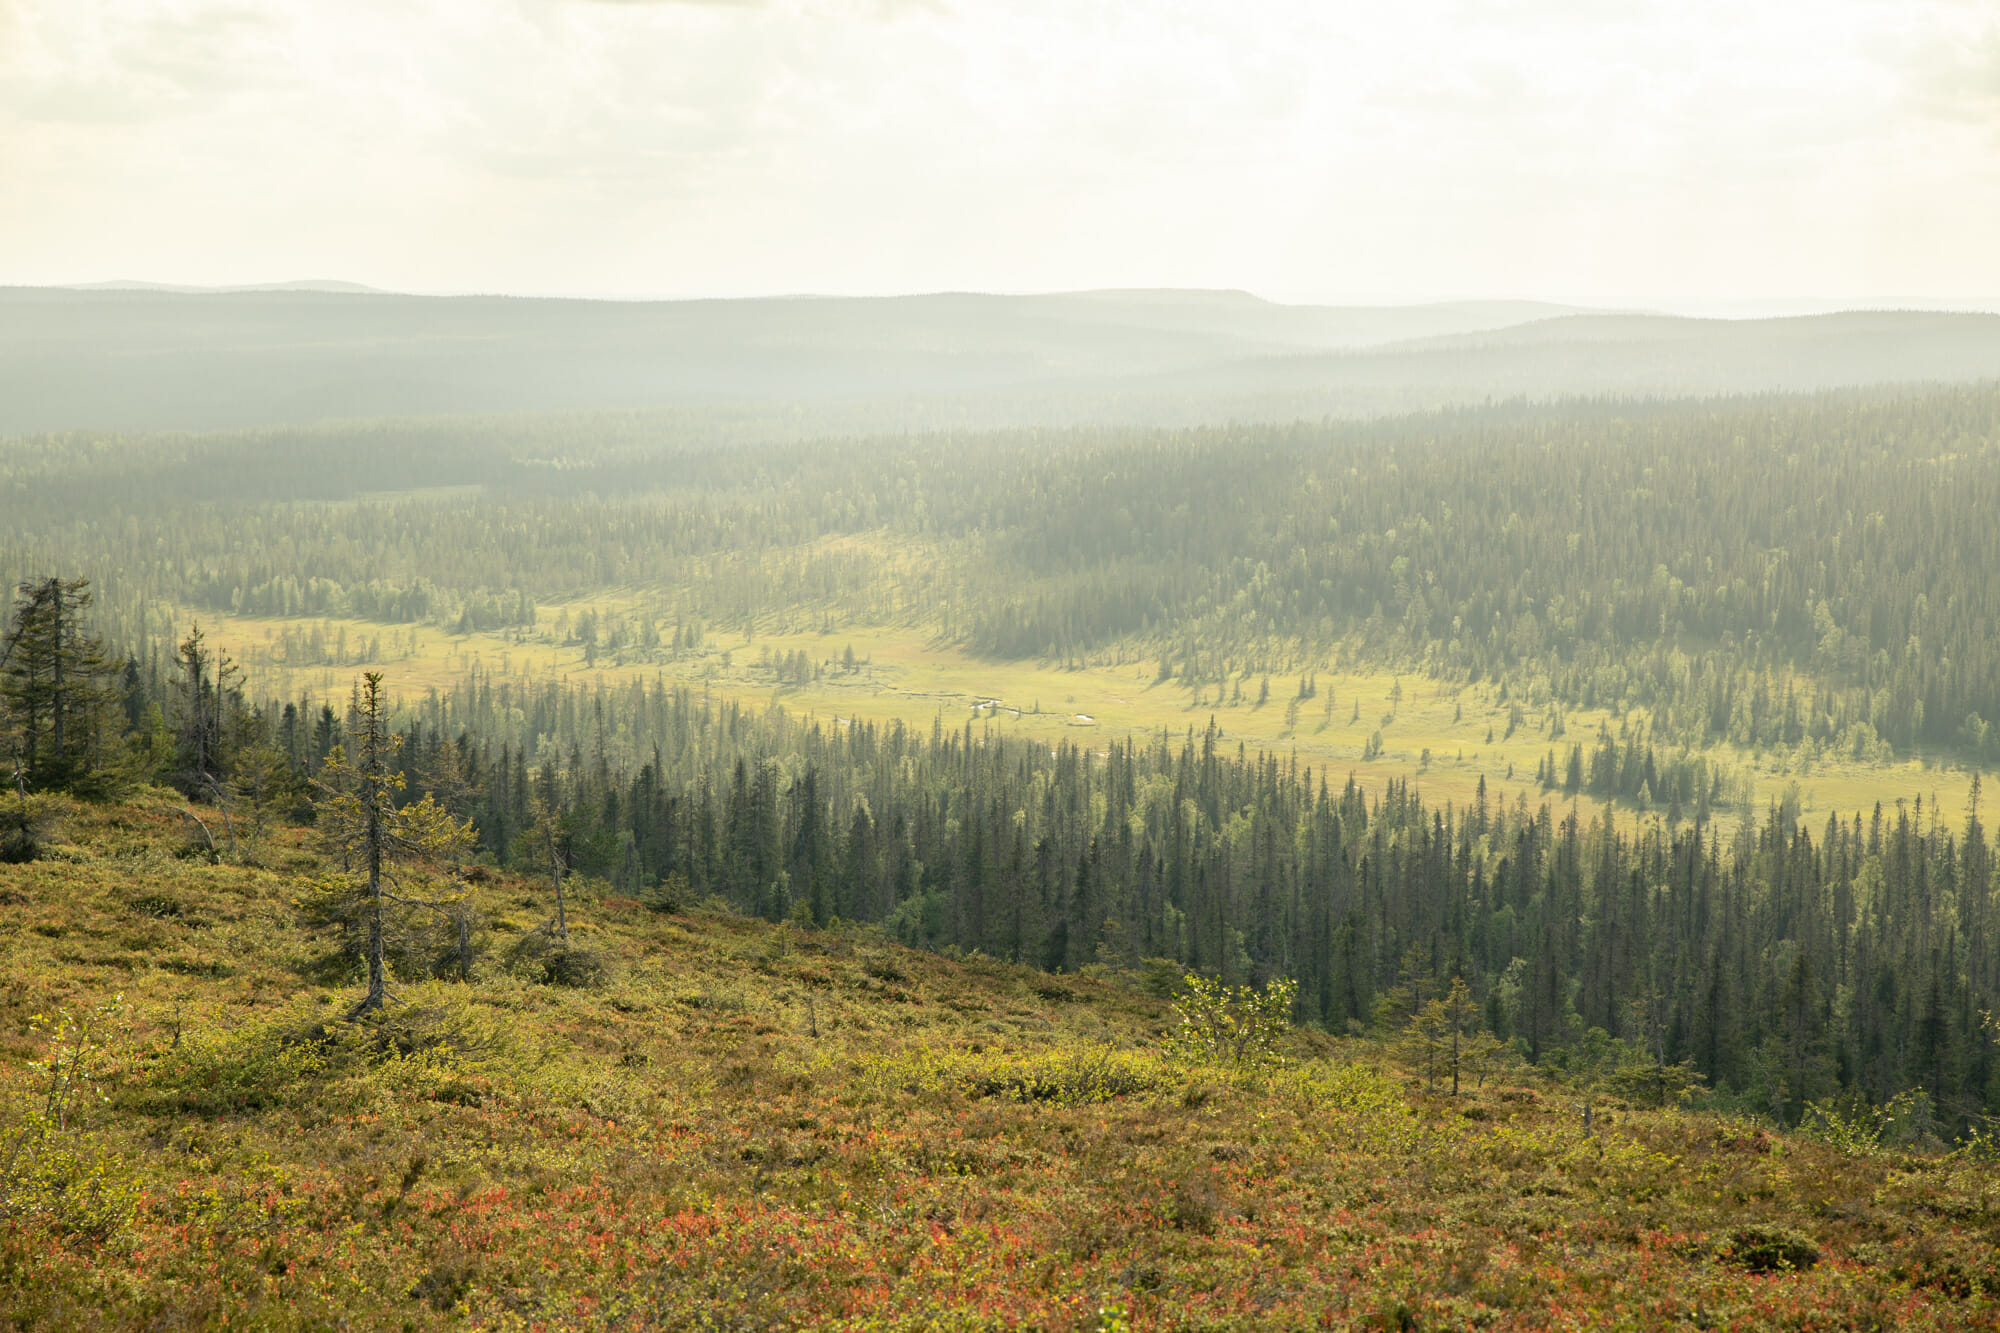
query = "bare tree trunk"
x=56 y=700
x=372 y=796
x=222 y=807
x=556 y=869
x=207 y=837
x=549 y=822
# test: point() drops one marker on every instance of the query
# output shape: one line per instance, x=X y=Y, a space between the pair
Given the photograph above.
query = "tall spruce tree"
x=201 y=734
x=355 y=800
x=59 y=692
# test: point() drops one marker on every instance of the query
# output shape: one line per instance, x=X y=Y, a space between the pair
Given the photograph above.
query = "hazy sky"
x=1610 y=151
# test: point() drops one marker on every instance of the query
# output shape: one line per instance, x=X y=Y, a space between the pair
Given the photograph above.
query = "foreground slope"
x=722 y=1123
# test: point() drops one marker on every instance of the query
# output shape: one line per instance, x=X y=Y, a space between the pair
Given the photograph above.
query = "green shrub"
x=57 y=1178
x=1656 y=1084
x=548 y=959
x=436 y=1020
x=882 y=967
x=51 y=1172
x=162 y=906
x=1858 y=1130
x=428 y=1041
x=1238 y=1026
x=1766 y=1248
x=240 y=1070
x=25 y=825
x=1159 y=976
x=670 y=895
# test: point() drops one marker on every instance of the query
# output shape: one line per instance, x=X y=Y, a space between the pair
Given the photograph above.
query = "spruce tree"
x=58 y=692
x=201 y=737
x=355 y=800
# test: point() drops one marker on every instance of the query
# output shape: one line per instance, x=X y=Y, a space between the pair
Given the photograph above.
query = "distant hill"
x=1626 y=354
x=128 y=358
x=304 y=285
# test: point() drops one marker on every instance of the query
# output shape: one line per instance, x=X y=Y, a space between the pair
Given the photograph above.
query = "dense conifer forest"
x=1781 y=963
x=1767 y=572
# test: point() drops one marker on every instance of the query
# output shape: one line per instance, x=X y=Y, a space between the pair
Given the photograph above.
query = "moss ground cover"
x=744 y=1126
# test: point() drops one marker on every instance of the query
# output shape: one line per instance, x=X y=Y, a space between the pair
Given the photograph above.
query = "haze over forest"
x=130 y=360
x=876 y=664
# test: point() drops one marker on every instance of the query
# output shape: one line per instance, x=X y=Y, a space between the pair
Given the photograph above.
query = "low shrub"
x=1766 y=1248
x=52 y=1173
x=26 y=824
x=236 y=1071
x=547 y=959
x=1238 y=1026
x=60 y=1180
x=428 y=1034
x=1072 y=1076
x=884 y=968
x=1858 y=1130
x=161 y=906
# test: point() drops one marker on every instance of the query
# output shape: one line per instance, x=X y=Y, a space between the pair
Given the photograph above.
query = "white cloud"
x=1953 y=73
x=1581 y=150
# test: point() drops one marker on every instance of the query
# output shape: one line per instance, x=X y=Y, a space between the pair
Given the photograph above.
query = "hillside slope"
x=736 y=1125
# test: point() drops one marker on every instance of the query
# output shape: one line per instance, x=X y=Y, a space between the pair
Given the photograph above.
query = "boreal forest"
x=1659 y=594
x=908 y=666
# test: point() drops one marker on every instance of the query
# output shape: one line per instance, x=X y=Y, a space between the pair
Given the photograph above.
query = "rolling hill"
x=127 y=359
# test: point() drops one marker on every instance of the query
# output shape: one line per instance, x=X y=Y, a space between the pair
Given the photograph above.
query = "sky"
x=1668 y=153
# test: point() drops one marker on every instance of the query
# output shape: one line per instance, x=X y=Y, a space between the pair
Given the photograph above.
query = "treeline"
x=1777 y=572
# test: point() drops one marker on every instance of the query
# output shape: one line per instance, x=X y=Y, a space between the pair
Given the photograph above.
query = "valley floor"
x=1444 y=738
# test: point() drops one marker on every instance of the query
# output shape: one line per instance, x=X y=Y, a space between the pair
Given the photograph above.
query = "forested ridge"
x=1768 y=572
